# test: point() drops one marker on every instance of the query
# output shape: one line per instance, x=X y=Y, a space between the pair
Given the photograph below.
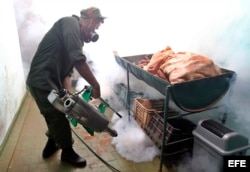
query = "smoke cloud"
x=219 y=30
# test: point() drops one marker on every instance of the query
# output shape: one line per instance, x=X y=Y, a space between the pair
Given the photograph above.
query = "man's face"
x=90 y=27
x=96 y=24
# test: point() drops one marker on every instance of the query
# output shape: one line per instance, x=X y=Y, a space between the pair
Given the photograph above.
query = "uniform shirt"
x=54 y=59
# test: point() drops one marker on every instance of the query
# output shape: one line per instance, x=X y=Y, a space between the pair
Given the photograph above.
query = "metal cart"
x=192 y=96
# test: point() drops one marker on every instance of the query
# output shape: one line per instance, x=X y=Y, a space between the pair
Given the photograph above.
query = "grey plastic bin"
x=212 y=142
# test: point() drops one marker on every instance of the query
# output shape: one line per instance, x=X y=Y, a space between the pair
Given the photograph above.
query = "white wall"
x=12 y=87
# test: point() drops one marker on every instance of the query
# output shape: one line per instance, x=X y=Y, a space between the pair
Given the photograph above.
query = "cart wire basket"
x=127 y=97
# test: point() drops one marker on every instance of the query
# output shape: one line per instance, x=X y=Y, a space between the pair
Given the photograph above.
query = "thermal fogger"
x=78 y=109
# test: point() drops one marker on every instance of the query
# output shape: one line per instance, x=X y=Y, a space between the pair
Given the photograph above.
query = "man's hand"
x=96 y=93
x=67 y=83
x=84 y=70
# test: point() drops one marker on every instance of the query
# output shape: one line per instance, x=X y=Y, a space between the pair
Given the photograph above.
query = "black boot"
x=50 y=148
x=70 y=156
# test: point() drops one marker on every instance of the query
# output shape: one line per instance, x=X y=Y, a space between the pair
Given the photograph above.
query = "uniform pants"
x=58 y=125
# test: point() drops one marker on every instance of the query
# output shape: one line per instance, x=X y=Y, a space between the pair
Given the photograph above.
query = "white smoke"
x=131 y=142
x=219 y=30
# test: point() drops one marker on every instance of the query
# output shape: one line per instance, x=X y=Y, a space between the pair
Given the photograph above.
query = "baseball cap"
x=92 y=12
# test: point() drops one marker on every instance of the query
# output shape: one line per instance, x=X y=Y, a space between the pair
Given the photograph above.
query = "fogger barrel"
x=87 y=115
x=84 y=113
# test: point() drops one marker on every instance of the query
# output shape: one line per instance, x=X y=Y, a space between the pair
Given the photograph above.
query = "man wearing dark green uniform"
x=58 y=53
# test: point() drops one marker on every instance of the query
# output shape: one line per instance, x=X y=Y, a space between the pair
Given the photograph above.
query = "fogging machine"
x=78 y=110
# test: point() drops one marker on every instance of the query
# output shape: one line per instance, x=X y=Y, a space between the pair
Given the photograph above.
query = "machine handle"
x=88 y=90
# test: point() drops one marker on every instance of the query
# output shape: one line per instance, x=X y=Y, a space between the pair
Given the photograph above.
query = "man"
x=58 y=53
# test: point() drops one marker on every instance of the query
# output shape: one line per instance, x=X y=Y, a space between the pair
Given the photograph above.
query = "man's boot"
x=50 y=148
x=70 y=156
